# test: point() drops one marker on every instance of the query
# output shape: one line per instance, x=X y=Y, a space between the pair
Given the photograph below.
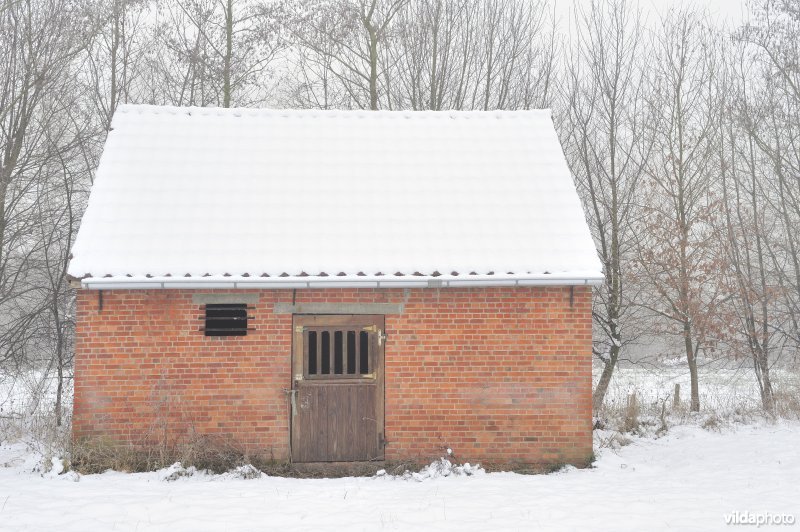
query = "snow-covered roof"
x=268 y=198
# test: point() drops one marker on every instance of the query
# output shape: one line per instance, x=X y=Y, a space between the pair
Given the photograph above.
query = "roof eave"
x=277 y=283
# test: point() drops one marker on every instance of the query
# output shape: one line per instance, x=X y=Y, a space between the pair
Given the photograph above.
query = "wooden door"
x=337 y=389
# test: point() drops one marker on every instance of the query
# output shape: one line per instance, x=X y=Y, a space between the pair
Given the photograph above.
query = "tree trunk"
x=60 y=362
x=59 y=392
x=600 y=390
x=373 y=68
x=691 y=360
x=767 y=393
x=226 y=73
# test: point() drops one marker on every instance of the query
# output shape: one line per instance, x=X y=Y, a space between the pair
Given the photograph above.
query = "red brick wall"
x=497 y=374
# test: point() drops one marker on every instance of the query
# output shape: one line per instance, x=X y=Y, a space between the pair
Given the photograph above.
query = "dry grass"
x=787 y=398
x=213 y=454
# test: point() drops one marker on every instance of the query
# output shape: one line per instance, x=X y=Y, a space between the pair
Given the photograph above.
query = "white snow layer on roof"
x=241 y=192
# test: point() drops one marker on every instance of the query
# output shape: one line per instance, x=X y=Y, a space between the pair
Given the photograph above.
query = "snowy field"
x=727 y=389
x=691 y=478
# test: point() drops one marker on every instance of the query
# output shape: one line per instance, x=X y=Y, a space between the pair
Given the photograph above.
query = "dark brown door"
x=337 y=392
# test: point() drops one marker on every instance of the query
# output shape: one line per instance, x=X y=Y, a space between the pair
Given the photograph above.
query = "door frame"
x=298 y=367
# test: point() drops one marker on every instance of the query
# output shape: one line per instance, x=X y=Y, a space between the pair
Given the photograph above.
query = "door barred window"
x=337 y=352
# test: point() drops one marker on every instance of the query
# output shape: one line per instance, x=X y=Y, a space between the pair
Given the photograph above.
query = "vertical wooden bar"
x=305 y=352
x=373 y=351
x=331 y=352
x=319 y=352
x=345 y=334
x=358 y=352
x=361 y=357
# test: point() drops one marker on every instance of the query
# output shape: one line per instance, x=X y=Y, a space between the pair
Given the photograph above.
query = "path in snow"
x=688 y=480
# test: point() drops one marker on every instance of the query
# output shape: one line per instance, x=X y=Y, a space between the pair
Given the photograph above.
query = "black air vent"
x=226 y=319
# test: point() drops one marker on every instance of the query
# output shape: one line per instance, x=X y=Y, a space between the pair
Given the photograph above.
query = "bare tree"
x=679 y=257
x=347 y=36
x=428 y=52
x=41 y=43
x=113 y=55
x=215 y=52
x=472 y=54
x=603 y=127
x=59 y=200
x=748 y=231
x=771 y=41
x=762 y=187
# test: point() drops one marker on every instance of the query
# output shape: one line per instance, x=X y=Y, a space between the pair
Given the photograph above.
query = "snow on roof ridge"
x=328 y=113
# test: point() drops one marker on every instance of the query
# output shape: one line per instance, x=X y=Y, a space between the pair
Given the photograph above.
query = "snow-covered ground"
x=688 y=480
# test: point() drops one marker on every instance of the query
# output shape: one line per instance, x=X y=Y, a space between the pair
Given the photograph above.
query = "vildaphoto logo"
x=759 y=519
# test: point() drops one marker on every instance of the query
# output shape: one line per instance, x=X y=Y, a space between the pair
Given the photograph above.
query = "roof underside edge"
x=592 y=279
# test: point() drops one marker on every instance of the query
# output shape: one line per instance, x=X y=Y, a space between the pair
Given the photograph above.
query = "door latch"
x=374 y=329
x=292 y=398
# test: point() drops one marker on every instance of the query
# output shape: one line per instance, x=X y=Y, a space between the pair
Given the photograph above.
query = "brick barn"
x=336 y=286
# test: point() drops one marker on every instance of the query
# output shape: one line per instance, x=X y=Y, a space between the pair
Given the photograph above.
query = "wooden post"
x=676 y=398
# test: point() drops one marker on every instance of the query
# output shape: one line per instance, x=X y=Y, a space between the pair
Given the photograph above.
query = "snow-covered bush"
x=175 y=472
x=244 y=472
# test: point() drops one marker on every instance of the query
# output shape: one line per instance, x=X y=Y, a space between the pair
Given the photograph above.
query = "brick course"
x=499 y=375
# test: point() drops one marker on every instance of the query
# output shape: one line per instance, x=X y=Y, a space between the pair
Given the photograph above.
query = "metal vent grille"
x=226 y=319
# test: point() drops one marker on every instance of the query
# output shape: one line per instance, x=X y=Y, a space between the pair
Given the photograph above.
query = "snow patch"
x=57 y=466
x=71 y=476
x=245 y=472
x=175 y=472
x=442 y=468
